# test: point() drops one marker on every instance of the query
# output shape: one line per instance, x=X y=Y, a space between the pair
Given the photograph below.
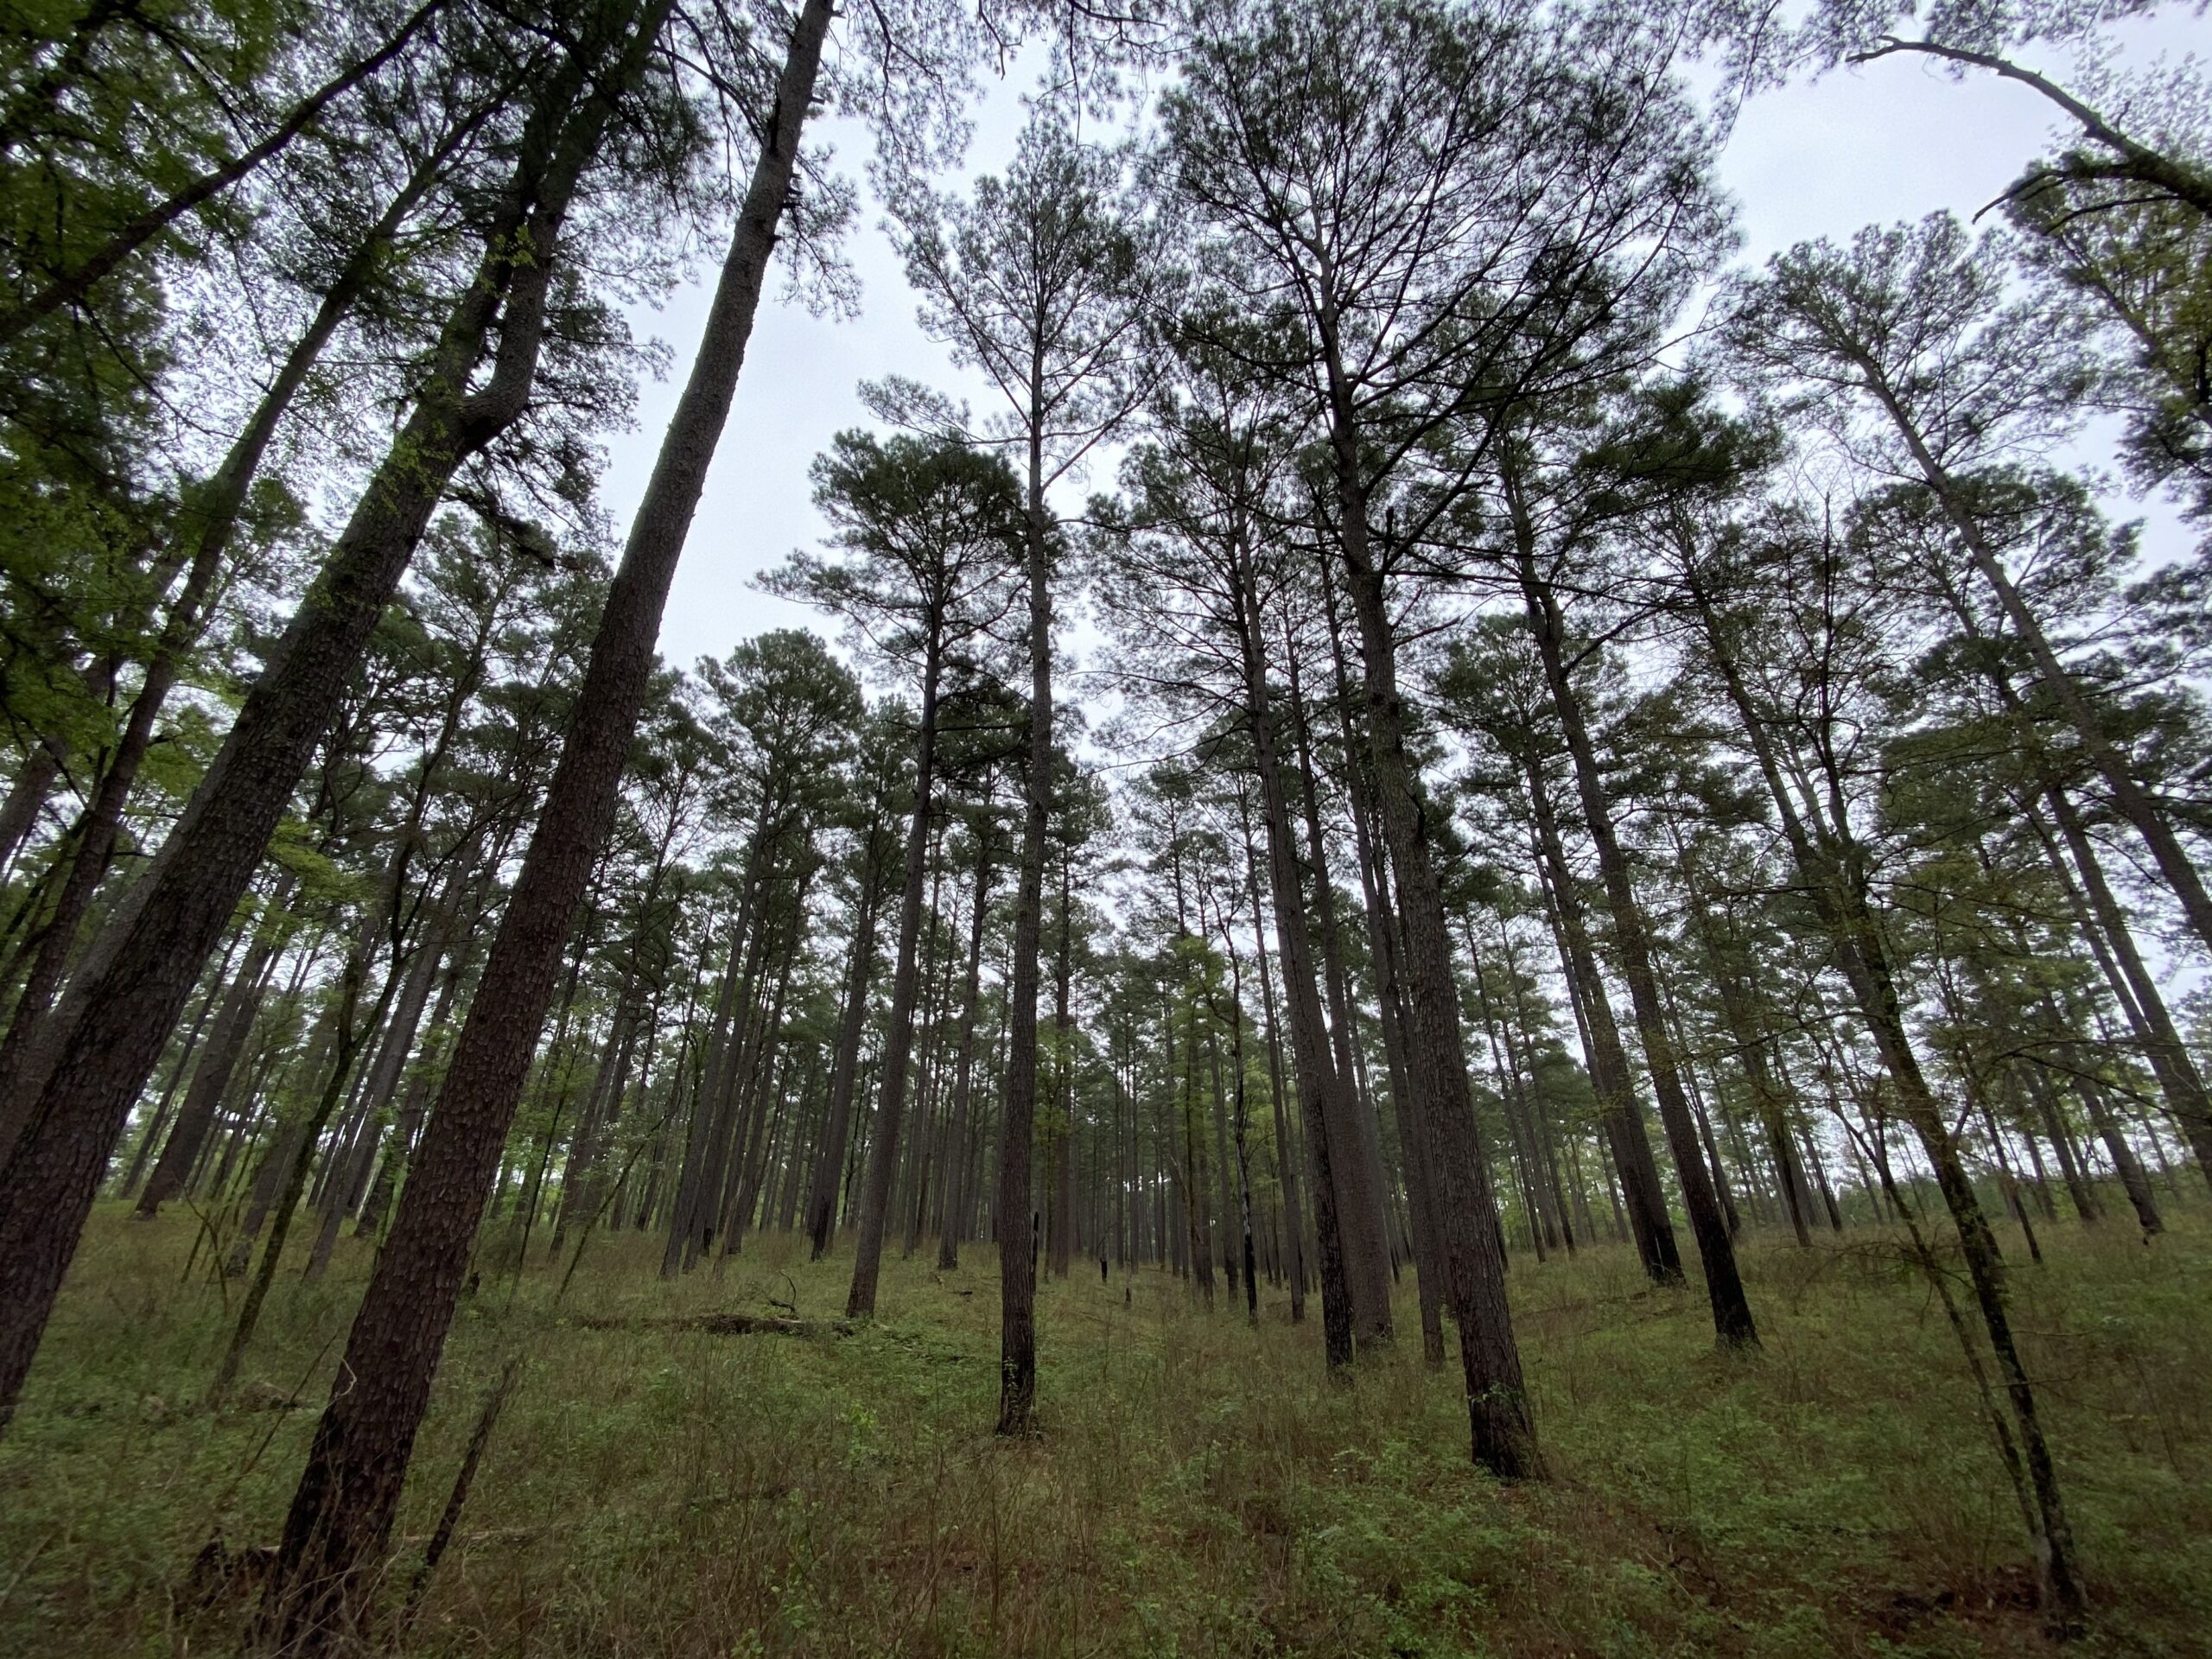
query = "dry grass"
x=1198 y=1488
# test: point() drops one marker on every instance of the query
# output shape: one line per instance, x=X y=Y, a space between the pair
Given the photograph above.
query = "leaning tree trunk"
x=211 y=518
x=1723 y=1284
x=133 y=985
x=26 y=798
x=1621 y=1114
x=340 y=1520
x=1827 y=865
x=226 y=1042
x=2133 y=802
x=2104 y=924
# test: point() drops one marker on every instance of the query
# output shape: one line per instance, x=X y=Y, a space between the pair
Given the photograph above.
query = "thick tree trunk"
x=1017 y=1118
x=28 y=793
x=131 y=987
x=211 y=518
x=341 y=1516
x=1384 y=948
x=1501 y=1427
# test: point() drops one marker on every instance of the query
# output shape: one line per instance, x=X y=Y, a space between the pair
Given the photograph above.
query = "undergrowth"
x=1198 y=1486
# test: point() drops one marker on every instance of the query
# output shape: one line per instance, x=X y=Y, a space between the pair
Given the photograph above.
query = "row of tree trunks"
x=126 y=997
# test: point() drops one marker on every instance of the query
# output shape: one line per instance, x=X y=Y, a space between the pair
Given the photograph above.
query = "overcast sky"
x=1892 y=141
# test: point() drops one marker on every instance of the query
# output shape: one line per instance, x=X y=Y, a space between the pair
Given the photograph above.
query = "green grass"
x=1200 y=1487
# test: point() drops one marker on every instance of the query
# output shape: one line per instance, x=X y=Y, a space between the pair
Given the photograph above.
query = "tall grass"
x=1199 y=1486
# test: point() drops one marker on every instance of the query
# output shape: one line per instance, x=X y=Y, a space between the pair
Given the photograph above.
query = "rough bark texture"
x=1018 y=1121
x=341 y=1515
x=1500 y=1427
x=210 y=520
x=134 y=985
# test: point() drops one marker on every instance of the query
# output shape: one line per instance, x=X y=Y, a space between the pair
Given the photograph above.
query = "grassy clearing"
x=1199 y=1488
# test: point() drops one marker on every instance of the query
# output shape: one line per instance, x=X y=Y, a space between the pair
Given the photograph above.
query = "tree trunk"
x=1311 y=1065
x=1286 y=1159
x=1731 y=1311
x=1354 y=1151
x=210 y=518
x=2128 y=794
x=1621 y=1114
x=899 y=1035
x=341 y=1516
x=1862 y=956
x=1501 y=1430
x=1017 y=1118
x=128 y=993
x=955 y=1205
x=219 y=1057
x=828 y=1168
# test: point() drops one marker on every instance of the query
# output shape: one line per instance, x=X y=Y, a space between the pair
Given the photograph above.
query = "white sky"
x=1894 y=140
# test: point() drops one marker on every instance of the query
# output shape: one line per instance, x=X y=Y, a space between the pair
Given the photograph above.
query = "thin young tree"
x=927 y=533
x=1040 y=280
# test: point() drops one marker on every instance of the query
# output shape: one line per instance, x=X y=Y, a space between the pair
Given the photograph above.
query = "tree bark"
x=1723 y=1284
x=132 y=988
x=341 y=1515
x=1017 y=1118
x=1829 y=868
x=219 y=1057
x=1501 y=1429
x=1621 y=1114
x=955 y=1203
x=899 y=1035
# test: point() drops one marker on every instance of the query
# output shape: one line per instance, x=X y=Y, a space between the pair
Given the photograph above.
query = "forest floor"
x=1198 y=1488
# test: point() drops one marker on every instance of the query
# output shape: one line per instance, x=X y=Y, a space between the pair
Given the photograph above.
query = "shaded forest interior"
x=1460 y=925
